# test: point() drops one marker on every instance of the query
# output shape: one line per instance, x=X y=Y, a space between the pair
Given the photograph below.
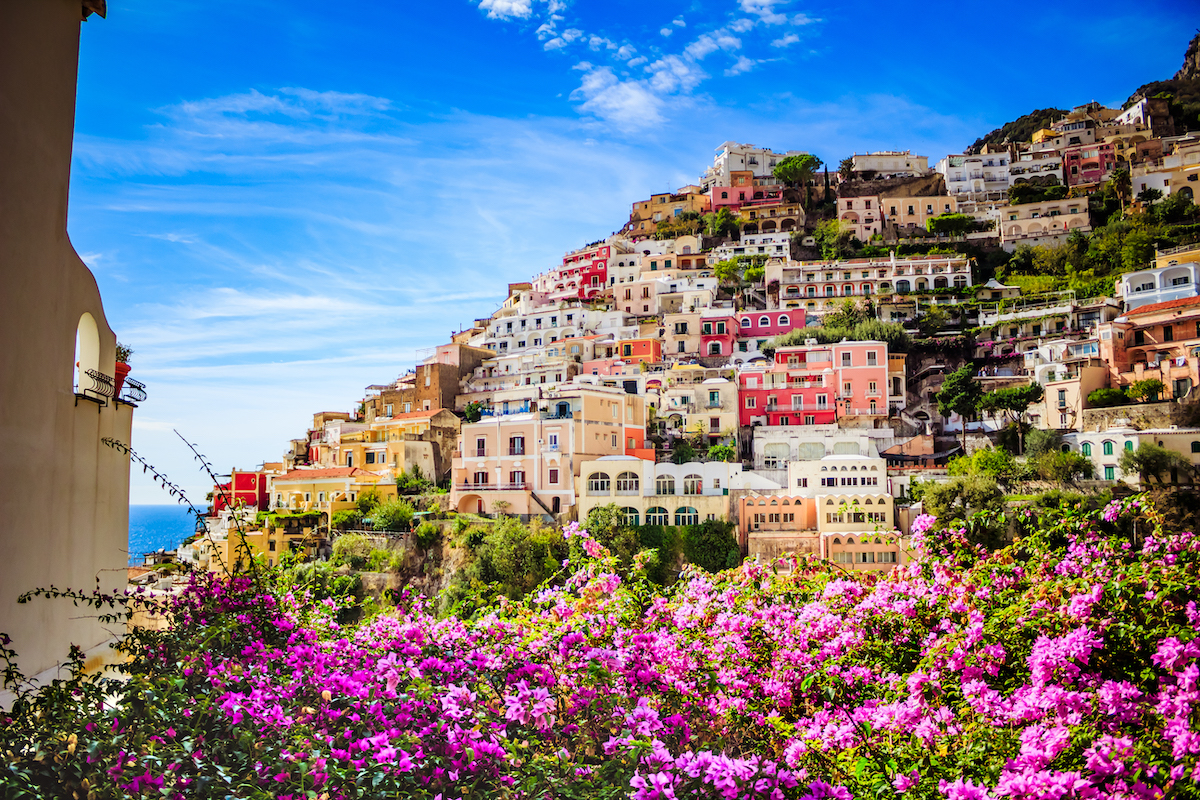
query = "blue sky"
x=284 y=201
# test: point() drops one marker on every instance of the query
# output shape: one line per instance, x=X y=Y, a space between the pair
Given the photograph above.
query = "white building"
x=1159 y=284
x=1036 y=167
x=774 y=245
x=891 y=163
x=1045 y=223
x=734 y=157
x=833 y=474
x=980 y=176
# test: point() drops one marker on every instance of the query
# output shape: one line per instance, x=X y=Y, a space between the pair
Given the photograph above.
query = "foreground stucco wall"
x=63 y=495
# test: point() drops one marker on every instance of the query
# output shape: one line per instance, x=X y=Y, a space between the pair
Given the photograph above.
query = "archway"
x=87 y=353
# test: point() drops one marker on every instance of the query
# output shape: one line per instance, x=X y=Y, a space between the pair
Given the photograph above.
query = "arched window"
x=764 y=322
x=686 y=515
x=724 y=195
x=1108 y=448
x=598 y=483
x=783 y=319
x=664 y=484
x=1086 y=449
x=627 y=483
x=837 y=540
x=745 y=322
x=87 y=354
x=657 y=515
x=714 y=348
x=903 y=287
x=848 y=290
x=631 y=515
x=1129 y=446
x=774 y=502
x=850 y=540
x=693 y=484
x=830 y=291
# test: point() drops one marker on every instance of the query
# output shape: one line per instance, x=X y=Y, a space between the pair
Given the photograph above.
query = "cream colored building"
x=1047 y=223
x=664 y=493
x=64 y=505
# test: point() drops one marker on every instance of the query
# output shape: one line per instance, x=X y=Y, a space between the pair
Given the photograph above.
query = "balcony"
x=492 y=487
x=516 y=451
x=134 y=392
x=480 y=452
x=95 y=386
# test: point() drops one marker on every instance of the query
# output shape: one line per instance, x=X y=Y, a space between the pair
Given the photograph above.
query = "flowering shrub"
x=1065 y=665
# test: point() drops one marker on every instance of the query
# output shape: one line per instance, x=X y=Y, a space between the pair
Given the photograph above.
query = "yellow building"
x=327 y=490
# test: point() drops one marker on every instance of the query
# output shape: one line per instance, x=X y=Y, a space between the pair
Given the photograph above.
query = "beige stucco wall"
x=64 y=506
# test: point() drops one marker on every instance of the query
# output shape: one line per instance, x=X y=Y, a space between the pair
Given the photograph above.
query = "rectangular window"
x=802 y=483
x=750 y=402
x=516 y=478
x=553 y=476
x=845 y=359
x=872 y=358
x=370 y=458
x=1168 y=333
x=1109 y=474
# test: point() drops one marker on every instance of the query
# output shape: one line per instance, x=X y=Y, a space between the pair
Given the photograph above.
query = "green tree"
x=1122 y=186
x=346 y=519
x=754 y=273
x=1136 y=250
x=833 y=237
x=1149 y=389
x=711 y=545
x=846 y=168
x=1040 y=440
x=682 y=451
x=933 y=320
x=721 y=452
x=728 y=272
x=1012 y=403
x=393 y=514
x=994 y=463
x=954 y=501
x=1062 y=467
x=1149 y=196
x=847 y=314
x=1151 y=461
x=1106 y=398
x=960 y=394
x=950 y=224
x=797 y=171
x=473 y=411
x=367 y=500
x=721 y=223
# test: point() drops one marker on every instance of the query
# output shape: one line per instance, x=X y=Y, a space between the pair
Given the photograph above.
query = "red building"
x=640 y=351
x=816 y=384
x=1088 y=163
x=248 y=489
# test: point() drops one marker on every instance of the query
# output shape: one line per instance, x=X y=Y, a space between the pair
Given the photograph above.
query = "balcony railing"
x=95 y=384
x=516 y=451
x=134 y=391
x=480 y=452
x=493 y=487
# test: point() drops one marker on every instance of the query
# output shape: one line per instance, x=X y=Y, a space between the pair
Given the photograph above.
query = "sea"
x=153 y=528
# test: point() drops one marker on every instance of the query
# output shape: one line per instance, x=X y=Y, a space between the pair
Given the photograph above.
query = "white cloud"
x=741 y=25
x=679 y=23
x=637 y=62
x=804 y=19
x=743 y=64
x=708 y=43
x=666 y=31
x=765 y=10
x=786 y=40
x=598 y=43
x=626 y=52
x=673 y=74
x=630 y=104
x=506 y=9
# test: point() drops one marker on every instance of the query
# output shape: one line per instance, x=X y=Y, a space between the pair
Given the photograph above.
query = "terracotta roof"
x=329 y=472
x=1182 y=302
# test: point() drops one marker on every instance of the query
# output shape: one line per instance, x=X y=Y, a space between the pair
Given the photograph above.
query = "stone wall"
x=1137 y=415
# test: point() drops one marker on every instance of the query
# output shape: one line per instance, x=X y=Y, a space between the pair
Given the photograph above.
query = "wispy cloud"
x=786 y=40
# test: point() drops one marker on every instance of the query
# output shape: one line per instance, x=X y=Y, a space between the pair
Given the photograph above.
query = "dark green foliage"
x=1020 y=129
x=1028 y=193
x=898 y=340
x=1040 y=440
x=721 y=452
x=416 y=483
x=796 y=170
x=954 y=502
x=682 y=451
x=1151 y=462
x=427 y=535
x=1062 y=467
x=951 y=224
x=473 y=411
x=518 y=558
x=1106 y=398
x=960 y=394
x=346 y=519
x=351 y=550
x=392 y=515
x=711 y=545
x=721 y=223
x=367 y=501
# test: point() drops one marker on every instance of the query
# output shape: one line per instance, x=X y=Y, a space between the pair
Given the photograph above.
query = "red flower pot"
x=121 y=371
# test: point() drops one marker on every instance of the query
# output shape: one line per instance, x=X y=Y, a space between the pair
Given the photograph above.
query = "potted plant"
x=121 y=369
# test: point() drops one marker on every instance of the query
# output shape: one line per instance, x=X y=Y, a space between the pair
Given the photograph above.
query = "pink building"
x=583 y=274
x=759 y=324
x=1089 y=163
x=718 y=331
x=816 y=384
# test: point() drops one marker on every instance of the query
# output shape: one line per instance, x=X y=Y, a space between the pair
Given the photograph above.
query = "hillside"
x=1183 y=89
x=1020 y=129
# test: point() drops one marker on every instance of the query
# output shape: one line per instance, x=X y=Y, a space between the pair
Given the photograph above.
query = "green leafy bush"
x=394 y=514
x=351 y=549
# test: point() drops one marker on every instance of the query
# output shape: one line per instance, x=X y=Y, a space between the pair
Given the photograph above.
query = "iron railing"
x=134 y=391
x=99 y=384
